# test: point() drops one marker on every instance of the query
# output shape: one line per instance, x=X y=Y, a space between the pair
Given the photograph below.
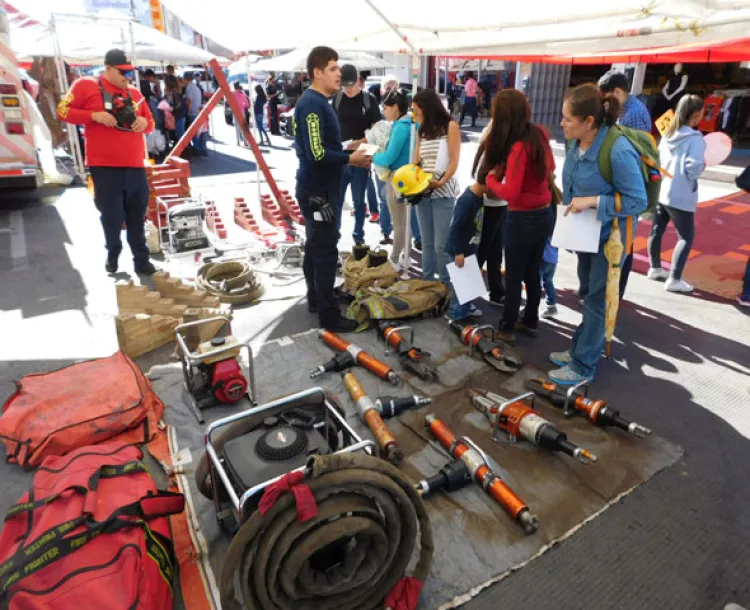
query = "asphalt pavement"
x=681 y=367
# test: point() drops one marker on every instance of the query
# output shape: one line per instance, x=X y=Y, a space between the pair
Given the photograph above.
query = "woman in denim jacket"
x=586 y=120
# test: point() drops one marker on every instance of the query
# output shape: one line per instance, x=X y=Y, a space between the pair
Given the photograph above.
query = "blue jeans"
x=415 y=232
x=547 y=271
x=386 y=226
x=259 y=125
x=746 y=281
x=357 y=177
x=526 y=235
x=456 y=311
x=435 y=215
x=372 y=195
x=179 y=128
x=199 y=141
x=588 y=339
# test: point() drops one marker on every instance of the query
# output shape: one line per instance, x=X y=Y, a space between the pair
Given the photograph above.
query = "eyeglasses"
x=125 y=73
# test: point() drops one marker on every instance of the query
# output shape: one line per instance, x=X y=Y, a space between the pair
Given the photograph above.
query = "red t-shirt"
x=522 y=189
x=105 y=146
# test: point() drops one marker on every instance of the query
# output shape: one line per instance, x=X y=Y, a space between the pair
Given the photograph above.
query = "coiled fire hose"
x=232 y=282
x=352 y=555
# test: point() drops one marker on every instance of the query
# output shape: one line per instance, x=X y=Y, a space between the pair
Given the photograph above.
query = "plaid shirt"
x=635 y=115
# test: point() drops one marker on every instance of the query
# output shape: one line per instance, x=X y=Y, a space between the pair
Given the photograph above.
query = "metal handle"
x=477 y=329
x=503 y=406
x=568 y=410
x=397 y=329
x=193 y=356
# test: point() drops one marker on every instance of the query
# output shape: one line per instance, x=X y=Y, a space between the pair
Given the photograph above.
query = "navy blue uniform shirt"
x=317 y=139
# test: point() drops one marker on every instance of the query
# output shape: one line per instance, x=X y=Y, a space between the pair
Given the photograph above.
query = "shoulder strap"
x=605 y=153
x=366 y=100
x=337 y=100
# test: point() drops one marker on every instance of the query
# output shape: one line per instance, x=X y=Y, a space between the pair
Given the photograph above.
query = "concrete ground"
x=681 y=367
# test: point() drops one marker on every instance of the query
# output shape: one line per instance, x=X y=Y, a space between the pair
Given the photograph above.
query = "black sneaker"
x=110 y=266
x=341 y=325
x=418 y=245
x=386 y=241
x=146 y=268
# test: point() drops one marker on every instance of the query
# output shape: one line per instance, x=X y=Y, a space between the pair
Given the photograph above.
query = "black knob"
x=218 y=341
x=271 y=422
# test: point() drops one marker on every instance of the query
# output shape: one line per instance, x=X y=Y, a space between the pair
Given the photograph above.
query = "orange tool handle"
x=353 y=386
x=394 y=339
x=380 y=431
x=445 y=436
x=334 y=341
x=502 y=494
x=374 y=365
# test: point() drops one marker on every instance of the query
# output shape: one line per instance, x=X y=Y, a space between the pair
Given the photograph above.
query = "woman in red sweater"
x=517 y=164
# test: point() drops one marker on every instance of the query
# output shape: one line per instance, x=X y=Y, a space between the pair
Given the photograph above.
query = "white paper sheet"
x=578 y=232
x=467 y=281
x=370 y=149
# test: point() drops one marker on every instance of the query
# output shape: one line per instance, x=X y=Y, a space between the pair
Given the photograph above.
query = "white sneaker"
x=550 y=312
x=673 y=285
x=657 y=273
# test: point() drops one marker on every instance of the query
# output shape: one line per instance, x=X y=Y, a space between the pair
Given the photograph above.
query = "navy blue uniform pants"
x=121 y=195
x=321 y=256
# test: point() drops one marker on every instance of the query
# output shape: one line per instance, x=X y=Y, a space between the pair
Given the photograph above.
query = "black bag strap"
x=104 y=472
x=50 y=546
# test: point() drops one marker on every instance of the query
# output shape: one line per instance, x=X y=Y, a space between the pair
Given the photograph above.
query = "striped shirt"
x=428 y=150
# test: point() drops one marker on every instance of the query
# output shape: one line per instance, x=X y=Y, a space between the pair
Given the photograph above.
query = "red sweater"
x=522 y=189
x=105 y=146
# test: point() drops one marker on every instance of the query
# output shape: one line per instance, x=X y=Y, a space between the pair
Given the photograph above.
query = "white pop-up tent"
x=296 y=61
x=436 y=27
x=64 y=34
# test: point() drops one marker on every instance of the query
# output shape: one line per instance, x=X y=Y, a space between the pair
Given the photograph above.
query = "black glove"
x=322 y=210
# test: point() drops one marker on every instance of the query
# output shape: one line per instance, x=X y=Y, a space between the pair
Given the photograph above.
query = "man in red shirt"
x=115 y=117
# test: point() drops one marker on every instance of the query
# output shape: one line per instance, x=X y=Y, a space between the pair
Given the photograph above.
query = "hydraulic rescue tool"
x=478 y=463
x=369 y=414
x=575 y=400
x=451 y=477
x=494 y=352
x=357 y=355
x=412 y=358
x=212 y=373
x=519 y=419
x=391 y=406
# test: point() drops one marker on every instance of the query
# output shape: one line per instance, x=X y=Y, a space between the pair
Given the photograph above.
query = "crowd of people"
x=509 y=211
x=174 y=104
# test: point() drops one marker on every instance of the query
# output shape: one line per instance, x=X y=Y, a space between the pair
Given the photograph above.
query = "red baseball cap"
x=117 y=59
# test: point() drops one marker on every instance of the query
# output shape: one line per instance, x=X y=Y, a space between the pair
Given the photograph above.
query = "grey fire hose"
x=370 y=521
x=232 y=282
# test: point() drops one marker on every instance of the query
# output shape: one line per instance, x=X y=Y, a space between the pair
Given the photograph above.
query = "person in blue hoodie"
x=586 y=121
x=463 y=240
x=395 y=109
x=682 y=151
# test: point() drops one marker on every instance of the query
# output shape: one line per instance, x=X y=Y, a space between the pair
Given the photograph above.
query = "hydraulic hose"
x=370 y=520
x=232 y=282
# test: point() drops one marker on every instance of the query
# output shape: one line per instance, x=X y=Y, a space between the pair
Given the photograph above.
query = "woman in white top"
x=438 y=150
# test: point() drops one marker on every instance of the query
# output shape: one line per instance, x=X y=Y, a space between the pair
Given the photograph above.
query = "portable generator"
x=185 y=222
x=212 y=372
x=248 y=451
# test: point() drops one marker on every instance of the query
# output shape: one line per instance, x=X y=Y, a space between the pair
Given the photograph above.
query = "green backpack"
x=645 y=146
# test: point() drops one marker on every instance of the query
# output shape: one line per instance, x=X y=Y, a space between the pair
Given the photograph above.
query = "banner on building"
x=157 y=16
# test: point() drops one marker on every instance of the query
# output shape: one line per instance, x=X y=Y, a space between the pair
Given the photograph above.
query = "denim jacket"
x=581 y=178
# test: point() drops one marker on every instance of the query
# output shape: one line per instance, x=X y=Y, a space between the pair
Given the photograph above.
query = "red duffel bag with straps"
x=93 y=532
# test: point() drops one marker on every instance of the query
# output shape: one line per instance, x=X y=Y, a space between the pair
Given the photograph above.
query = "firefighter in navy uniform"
x=116 y=116
x=321 y=158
